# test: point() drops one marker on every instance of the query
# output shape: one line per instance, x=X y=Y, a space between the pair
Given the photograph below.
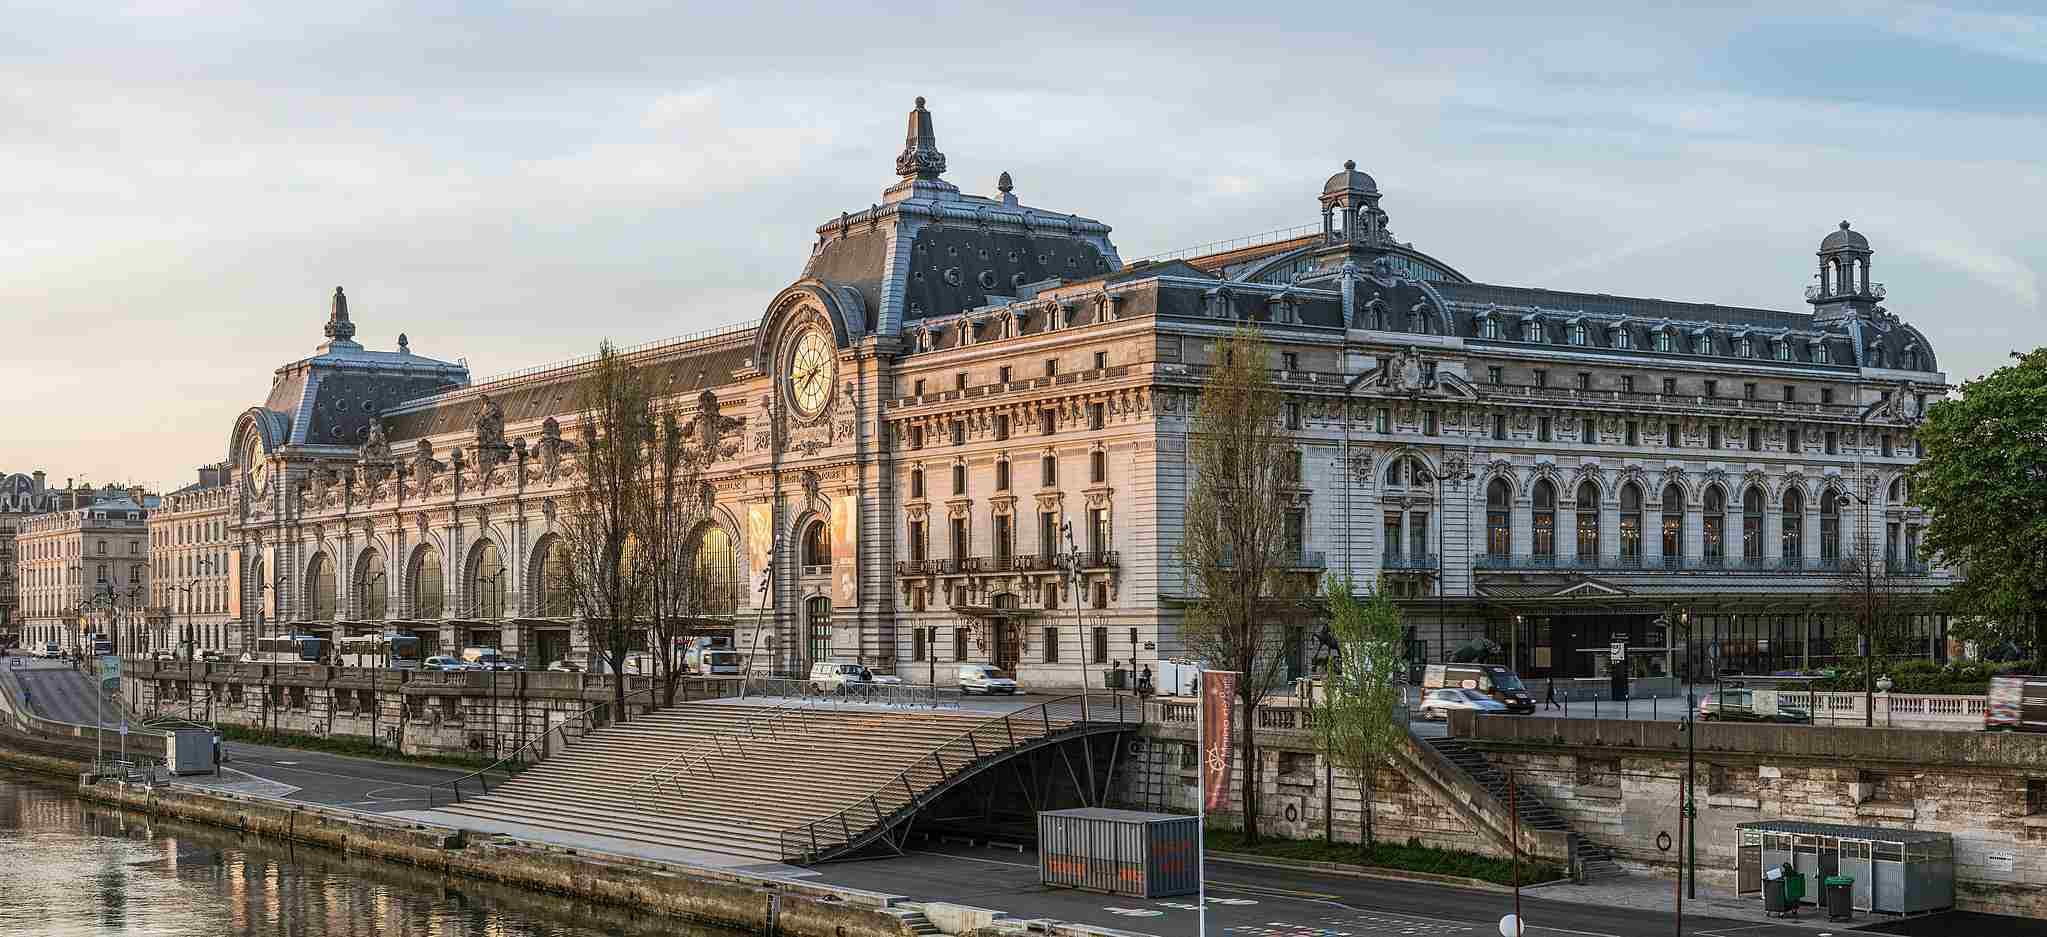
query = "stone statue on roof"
x=490 y=423
x=551 y=447
x=376 y=448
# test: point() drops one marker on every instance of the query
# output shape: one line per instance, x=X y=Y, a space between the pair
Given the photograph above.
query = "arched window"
x=1830 y=527
x=429 y=586
x=1715 y=528
x=1588 y=521
x=817 y=544
x=1622 y=338
x=1899 y=491
x=1793 y=534
x=320 y=576
x=487 y=584
x=1499 y=537
x=1752 y=524
x=1545 y=523
x=556 y=600
x=1673 y=525
x=1578 y=333
x=817 y=627
x=1664 y=341
x=718 y=570
x=374 y=593
x=1395 y=472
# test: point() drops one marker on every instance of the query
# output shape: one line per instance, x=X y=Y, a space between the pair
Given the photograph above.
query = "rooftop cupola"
x=1843 y=287
x=1350 y=208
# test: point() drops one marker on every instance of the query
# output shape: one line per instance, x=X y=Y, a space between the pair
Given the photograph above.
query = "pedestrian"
x=1549 y=694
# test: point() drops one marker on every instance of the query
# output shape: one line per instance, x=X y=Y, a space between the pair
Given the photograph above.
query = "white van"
x=837 y=676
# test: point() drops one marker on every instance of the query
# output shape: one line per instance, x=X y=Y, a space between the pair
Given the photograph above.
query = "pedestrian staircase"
x=1595 y=862
x=799 y=781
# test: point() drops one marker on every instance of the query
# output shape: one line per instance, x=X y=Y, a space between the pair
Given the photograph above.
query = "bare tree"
x=1237 y=546
x=604 y=568
x=673 y=509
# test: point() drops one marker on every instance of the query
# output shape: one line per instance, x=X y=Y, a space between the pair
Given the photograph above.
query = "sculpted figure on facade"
x=709 y=427
x=552 y=446
x=424 y=467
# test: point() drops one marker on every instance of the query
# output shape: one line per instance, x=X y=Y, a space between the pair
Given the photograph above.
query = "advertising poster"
x=760 y=541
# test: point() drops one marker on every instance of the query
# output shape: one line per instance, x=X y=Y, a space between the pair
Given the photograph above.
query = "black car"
x=1739 y=706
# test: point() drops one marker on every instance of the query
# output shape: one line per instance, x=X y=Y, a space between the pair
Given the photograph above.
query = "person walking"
x=1549 y=694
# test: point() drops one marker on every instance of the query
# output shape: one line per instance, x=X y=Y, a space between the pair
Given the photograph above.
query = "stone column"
x=1773 y=534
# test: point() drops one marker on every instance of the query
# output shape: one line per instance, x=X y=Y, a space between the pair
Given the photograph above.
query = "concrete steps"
x=1595 y=862
x=737 y=779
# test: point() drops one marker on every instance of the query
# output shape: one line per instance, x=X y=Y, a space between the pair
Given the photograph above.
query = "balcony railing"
x=1013 y=563
x=1410 y=561
x=1791 y=564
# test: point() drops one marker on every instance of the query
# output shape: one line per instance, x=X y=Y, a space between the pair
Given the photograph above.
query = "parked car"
x=986 y=680
x=443 y=662
x=211 y=656
x=565 y=666
x=52 y=652
x=1493 y=680
x=840 y=676
x=1739 y=705
x=1438 y=703
x=163 y=655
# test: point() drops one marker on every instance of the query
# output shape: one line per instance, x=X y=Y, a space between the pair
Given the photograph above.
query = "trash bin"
x=1113 y=679
x=1774 y=882
x=1840 y=894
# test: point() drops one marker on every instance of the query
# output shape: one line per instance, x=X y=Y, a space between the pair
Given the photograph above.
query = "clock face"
x=812 y=369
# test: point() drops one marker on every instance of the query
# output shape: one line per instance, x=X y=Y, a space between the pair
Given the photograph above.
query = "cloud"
x=2018 y=36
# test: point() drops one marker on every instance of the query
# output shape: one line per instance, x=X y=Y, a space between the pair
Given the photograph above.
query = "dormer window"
x=1782 y=349
x=1622 y=338
x=1702 y=344
x=1745 y=348
x=1488 y=327
x=1664 y=341
x=1578 y=333
x=1531 y=330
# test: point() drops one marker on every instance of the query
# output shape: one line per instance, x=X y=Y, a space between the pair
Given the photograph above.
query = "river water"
x=68 y=867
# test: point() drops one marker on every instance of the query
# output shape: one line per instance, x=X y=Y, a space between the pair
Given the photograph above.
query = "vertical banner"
x=267 y=572
x=1218 y=704
x=845 y=552
x=760 y=544
x=234 y=578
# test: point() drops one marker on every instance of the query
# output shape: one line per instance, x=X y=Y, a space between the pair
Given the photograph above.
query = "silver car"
x=1438 y=703
x=986 y=680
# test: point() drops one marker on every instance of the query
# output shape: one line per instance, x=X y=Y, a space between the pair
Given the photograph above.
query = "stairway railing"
x=808 y=841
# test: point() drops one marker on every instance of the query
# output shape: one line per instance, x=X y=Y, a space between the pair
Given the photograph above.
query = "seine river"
x=72 y=868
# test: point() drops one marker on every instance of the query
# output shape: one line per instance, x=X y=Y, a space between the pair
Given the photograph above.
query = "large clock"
x=812 y=368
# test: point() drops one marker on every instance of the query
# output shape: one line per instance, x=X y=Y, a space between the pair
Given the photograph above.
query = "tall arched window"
x=1631 y=522
x=817 y=544
x=1752 y=524
x=1588 y=522
x=1545 y=522
x=488 y=586
x=718 y=569
x=320 y=576
x=374 y=593
x=1830 y=527
x=1499 y=537
x=556 y=601
x=429 y=586
x=1793 y=534
x=1715 y=528
x=1673 y=525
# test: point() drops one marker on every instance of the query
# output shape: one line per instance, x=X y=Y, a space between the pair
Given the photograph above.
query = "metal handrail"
x=479 y=775
x=1041 y=720
x=698 y=754
x=887 y=694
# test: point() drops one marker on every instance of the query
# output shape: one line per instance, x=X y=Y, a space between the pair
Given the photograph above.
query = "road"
x=1254 y=901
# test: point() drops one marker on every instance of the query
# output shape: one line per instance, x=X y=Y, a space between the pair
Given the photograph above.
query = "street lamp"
x=1073 y=566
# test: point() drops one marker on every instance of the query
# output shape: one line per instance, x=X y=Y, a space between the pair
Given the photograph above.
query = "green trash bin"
x=1840 y=895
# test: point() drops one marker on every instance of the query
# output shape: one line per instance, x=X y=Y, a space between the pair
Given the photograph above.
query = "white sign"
x=2000 y=863
x=1618 y=653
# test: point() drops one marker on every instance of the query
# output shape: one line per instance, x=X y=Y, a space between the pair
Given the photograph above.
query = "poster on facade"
x=760 y=542
x=845 y=551
x=234 y=580
x=1218 y=703
x=269 y=562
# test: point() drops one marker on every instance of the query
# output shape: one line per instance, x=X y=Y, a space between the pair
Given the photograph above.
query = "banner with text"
x=760 y=543
x=1218 y=704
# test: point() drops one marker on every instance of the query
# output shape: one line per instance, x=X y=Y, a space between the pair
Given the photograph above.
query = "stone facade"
x=960 y=435
x=21 y=497
x=188 y=546
x=85 y=571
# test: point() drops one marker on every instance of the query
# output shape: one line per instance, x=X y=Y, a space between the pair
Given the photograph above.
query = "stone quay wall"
x=412 y=712
x=1618 y=782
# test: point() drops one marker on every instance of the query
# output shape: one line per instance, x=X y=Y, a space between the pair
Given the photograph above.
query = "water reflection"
x=72 y=868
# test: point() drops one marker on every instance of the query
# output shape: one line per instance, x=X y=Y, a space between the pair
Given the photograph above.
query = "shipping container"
x=1121 y=852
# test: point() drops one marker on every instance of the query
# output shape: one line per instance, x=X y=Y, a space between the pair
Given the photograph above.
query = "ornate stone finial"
x=404 y=344
x=1844 y=224
x=1350 y=165
x=920 y=157
x=338 y=326
x=1006 y=186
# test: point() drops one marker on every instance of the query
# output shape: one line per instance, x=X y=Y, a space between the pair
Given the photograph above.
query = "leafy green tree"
x=1984 y=480
x=1361 y=721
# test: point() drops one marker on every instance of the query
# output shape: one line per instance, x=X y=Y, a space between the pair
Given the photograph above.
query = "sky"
x=183 y=182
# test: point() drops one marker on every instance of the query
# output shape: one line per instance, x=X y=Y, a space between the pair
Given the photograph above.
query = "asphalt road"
x=58 y=692
x=335 y=780
x=1253 y=901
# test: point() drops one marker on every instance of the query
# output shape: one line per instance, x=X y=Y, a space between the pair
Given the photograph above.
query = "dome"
x=1350 y=180
x=1844 y=239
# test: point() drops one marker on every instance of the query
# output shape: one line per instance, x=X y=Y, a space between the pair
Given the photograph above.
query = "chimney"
x=135 y=493
x=209 y=476
x=67 y=484
x=39 y=481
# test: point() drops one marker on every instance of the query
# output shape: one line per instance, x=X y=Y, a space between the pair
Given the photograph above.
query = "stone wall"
x=409 y=711
x=1618 y=782
x=1415 y=795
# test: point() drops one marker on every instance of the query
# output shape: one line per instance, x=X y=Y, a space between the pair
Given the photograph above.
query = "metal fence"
x=927 y=696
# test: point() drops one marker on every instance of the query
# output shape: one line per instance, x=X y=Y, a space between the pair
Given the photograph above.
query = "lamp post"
x=1865 y=642
x=1073 y=567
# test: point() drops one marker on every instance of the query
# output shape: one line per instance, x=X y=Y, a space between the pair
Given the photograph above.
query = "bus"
x=287 y=649
x=389 y=650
